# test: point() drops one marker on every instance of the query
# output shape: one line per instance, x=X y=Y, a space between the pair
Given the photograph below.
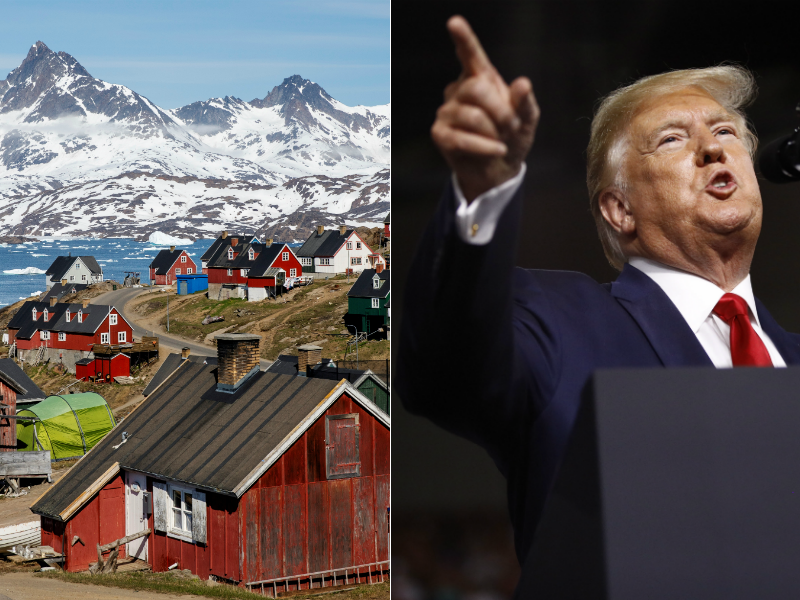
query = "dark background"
x=574 y=53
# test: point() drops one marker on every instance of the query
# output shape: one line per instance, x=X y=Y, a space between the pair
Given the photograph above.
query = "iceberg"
x=25 y=271
x=162 y=239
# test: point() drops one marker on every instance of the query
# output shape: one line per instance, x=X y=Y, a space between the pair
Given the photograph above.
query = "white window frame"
x=306 y=262
x=122 y=337
x=45 y=335
x=349 y=245
x=113 y=318
x=83 y=277
x=181 y=533
x=376 y=303
x=177 y=271
x=355 y=260
x=284 y=256
x=250 y=254
x=230 y=272
x=62 y=337
x=80 y=316
x=183 y=258
x=188 y=270
x=292 y=272
x=69 y=316
x=376 y=283
x=230 y=253
x=325 y=261
x=243 y=272
x=72 y=278
x=104 y=338
x=34 y=314
x=46 y=315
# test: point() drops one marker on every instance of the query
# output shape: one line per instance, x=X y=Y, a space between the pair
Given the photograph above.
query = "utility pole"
x=168 y=310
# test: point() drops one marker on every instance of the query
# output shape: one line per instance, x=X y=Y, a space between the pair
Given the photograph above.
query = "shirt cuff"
x=476 y=221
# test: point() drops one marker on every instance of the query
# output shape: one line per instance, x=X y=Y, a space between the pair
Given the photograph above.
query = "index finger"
x=468 y=48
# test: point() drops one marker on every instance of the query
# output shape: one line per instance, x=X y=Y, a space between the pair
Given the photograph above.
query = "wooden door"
x=136 y=512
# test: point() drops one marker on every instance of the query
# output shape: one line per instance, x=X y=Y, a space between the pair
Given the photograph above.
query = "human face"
x=691 y=189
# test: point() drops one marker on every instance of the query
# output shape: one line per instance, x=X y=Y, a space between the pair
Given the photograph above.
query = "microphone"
x=780 y=159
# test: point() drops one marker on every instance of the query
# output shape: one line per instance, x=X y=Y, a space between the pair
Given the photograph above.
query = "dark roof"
x=62 y=264
x=364 y=288
x=168 y=367
x=164 y=260
x=386 y=220
x=93 y=317
x=84 y=361
x=242 y=260
x=213 y=248
x=15 y=377
x=323 y=245
x=265 y=259
x=58 y=291
x=189 y=432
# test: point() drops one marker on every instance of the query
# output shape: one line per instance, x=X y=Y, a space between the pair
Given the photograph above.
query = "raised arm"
x=485 y=127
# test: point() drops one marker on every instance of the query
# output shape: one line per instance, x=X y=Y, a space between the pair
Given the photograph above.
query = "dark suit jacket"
x=500 y=355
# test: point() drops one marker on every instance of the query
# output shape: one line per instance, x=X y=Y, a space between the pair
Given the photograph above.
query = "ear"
x=617 y=211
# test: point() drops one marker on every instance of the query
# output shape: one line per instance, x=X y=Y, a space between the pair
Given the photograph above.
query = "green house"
x=368 y=301
x=375 y=389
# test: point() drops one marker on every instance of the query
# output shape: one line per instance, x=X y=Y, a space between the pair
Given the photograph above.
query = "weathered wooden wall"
x=8 y=427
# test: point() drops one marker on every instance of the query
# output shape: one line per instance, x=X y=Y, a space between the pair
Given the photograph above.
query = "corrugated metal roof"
x=187 y=431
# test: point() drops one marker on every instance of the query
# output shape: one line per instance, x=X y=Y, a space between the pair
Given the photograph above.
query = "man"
x=678 y=209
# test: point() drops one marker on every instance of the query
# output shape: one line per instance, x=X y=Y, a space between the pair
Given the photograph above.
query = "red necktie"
x=747 y=349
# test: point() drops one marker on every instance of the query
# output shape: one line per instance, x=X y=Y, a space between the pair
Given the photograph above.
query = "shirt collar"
x=693 y=296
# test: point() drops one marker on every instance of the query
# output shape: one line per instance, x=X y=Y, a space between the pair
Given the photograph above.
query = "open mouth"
x=722 y=184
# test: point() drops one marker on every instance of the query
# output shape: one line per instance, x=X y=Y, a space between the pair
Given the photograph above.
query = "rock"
x=209 y=319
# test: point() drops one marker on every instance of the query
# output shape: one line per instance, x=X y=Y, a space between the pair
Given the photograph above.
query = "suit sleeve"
x=460 y=361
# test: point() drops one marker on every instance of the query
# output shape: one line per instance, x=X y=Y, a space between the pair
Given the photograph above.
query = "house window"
x=306 y=262
x=69 y=316
x=376 y=282
x=80 y=316
x=45 y=335
x=324 y=261
x=46 y=315
x=230 y=272
x=113 y=318
x=177 y=271
x=285 y=256
x=250 y=254
x=189 y=270
x=355 y=260
x=103 y=337
x=244 y=272
x=122 y=337
x=358 y=245
x=182 y=510
x=349 y=245
x=292 y=272
x=342 y=457
x=183 y=259
x=34 y=314
x=62 y=337
x=71 y=278
x=376 y=303
x=77 y=266
x=83 y=277
x=230 y=253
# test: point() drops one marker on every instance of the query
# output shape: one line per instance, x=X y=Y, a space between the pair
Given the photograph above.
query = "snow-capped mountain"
x=82 y=156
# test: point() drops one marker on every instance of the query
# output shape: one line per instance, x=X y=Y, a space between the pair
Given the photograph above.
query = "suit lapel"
x=785 y=342
x=665 y=328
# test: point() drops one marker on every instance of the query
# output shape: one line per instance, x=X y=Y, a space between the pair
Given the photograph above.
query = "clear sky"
x=175 y=52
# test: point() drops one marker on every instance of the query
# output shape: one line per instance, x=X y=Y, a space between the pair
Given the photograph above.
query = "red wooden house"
x=272 y=481
x=16 y=389
x=65 y=332
x=169 y=263
x=103 y=367
x=240 y=268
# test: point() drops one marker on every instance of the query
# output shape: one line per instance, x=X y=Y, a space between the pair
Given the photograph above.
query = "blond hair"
x=732 y=86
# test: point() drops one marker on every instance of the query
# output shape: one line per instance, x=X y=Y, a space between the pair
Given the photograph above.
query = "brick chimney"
x=342 y=229
x=379 y=267
x=224 y=234
x=63 y=282
x=185 y=353
x=308 y=356
x=234 y=241
x=268 y=242
x=320 y=229
x=53 y=300
x=172 y=248
x=238 y=358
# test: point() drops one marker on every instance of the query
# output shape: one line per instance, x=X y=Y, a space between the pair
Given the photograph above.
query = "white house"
x=73 y=269
x=336 y=251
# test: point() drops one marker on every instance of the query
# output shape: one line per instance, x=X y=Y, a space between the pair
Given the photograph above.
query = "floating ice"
x=162 y=239
x=38 y=254
x=25 y=271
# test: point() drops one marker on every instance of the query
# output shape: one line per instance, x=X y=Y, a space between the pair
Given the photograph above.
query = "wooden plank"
x=124 y=540
x=270 y=530
x=363 y=521
x=341 y=523
x=382 y=503
x=87 y=494
x=318 y=527
x=20 y=464
x=294 y=527
x=250 y=505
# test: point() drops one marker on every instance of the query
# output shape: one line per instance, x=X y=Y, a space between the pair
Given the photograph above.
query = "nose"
x=709 y=149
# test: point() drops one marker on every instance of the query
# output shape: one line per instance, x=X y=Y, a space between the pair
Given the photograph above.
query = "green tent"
x=68 y=425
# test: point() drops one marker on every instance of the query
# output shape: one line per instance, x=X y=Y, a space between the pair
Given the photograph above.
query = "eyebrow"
x=714 y=118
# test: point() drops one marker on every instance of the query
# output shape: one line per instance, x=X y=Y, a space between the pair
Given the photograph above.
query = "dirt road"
x=26 y=586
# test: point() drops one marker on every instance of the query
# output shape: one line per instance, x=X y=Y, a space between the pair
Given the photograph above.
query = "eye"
x=726 y=131
x=669 y=139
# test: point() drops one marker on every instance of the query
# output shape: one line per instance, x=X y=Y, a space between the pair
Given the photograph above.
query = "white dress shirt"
x=694 y=297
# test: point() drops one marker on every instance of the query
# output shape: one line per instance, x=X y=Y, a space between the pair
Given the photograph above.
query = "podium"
x=676 y=484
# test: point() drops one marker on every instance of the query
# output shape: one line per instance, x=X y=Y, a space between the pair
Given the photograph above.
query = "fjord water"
x=22 y=266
